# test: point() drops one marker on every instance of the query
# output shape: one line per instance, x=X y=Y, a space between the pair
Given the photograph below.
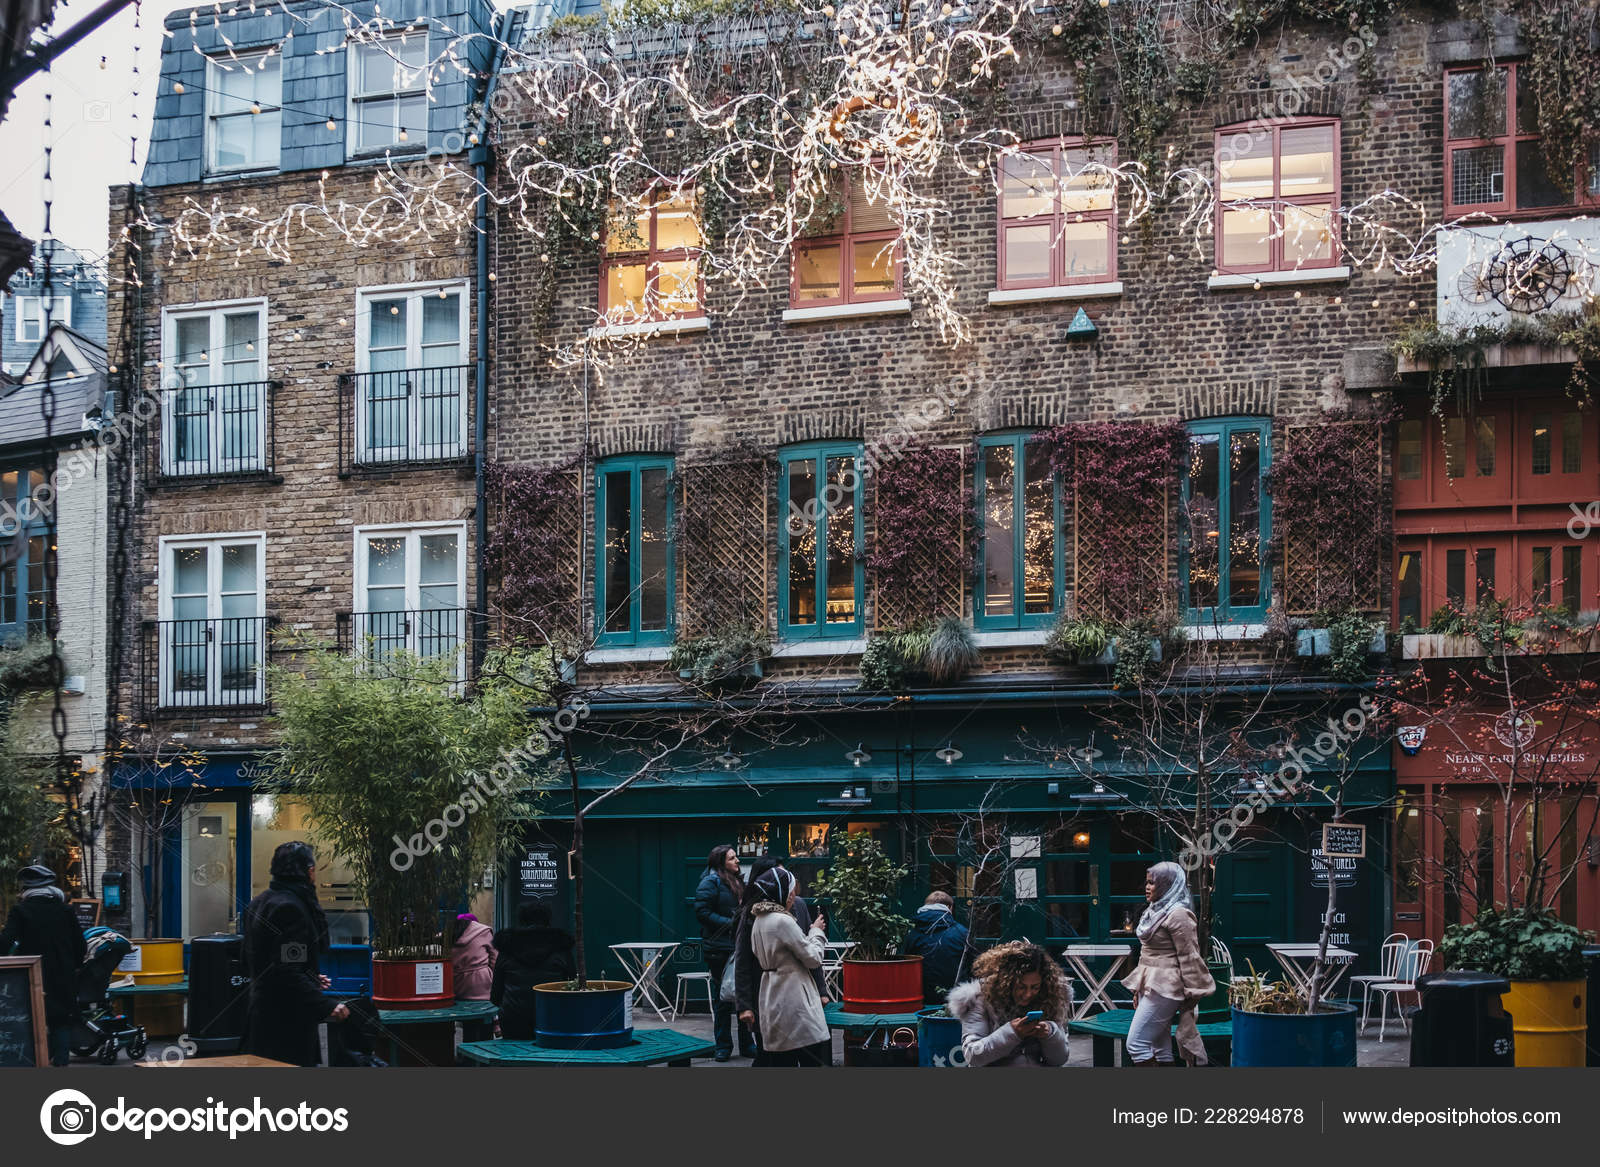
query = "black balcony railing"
x=216 y=431
x=405 y=417
x=427 y=632
x=205 y=664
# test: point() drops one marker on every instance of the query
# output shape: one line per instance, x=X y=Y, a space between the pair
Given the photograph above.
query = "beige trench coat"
x=1171 y=966
x=788 y=1008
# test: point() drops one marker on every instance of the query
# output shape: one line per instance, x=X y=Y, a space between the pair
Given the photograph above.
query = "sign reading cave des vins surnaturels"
x=538 y=874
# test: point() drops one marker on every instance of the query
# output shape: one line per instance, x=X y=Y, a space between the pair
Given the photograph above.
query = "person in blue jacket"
x=944 y=945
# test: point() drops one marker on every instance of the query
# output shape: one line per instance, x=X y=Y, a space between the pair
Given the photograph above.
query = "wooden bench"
x=649 y=1047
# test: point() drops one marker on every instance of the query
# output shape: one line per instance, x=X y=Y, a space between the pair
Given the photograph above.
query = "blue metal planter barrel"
x=938 y=1039
x=599 y=1017
x=1325 y=1038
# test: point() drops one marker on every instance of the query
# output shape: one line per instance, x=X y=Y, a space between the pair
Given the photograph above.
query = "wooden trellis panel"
x=1132 y=533
x=547 y=546
x=1306 y=580
x=724 y=545
x=937 y=586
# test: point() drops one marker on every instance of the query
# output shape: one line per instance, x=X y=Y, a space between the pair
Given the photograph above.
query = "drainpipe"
x=479 y=157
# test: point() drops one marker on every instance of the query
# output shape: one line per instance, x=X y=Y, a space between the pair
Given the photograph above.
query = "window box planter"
x=740 y=675
x=1319 y=642
x=567 y=671
x=1437 y=646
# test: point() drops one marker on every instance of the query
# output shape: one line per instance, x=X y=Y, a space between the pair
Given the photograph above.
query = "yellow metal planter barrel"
x=160 y=963
x=1549 y=1022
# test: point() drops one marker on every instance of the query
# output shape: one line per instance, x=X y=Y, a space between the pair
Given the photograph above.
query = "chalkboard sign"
x=22 y=1032
x=1344 y=840
x=87 y=912
x=538 y=874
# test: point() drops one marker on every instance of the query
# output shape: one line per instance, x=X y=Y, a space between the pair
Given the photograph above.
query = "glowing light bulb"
x=1055 y=30
x=331 y=125
x=177 y=87
x=1256 y=286
x=394 y=311
x=671 y=133
x=1411 y=303
x=404 y=136
x=255 y=107
x=605 y=140
x=1297 y=294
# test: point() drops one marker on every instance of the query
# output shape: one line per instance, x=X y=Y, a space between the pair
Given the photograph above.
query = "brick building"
x=308 y=460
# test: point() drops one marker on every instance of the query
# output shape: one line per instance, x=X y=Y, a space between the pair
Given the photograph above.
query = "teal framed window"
x=1228 y=521
x=634 y=573
x=1019 y=499
x=821 y=579
x=24 y=530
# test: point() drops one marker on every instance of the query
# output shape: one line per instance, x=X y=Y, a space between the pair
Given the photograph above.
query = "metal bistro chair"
x=1412 y=965
x=1220 y=953
x=1395 y=945
x=833 y=965
x=685 y=990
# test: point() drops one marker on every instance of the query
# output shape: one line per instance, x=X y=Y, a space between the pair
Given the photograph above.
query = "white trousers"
x=1150 y=1032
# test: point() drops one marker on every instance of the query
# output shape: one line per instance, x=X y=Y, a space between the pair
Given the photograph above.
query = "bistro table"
x=643 y=961
x=833 y=957
x=1110 y=1029
x=648 y=1047
x=1297 y=960
x=1078 y=956
x=430 y=1039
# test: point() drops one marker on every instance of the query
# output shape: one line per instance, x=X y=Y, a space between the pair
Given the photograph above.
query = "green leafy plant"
x=1077 y=640
x=379 y=752
x=1350 y=645
x=1522 y=945
x=861 y=887
x=1495 y=627
x=1256 y=994
x=723 y=655
x=1448 y=620
x=893 y=658
x=952 y=652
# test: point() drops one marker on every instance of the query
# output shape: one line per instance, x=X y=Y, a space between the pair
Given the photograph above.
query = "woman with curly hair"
x=1013 y=981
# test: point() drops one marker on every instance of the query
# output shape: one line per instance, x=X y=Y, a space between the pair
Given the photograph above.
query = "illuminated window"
x=848 y=255
x=1278 y=188
x=1020 y=501
x=1057 y=216
x=634 y=566
x=651 y=265
x=1225 y=573
x=820 y=576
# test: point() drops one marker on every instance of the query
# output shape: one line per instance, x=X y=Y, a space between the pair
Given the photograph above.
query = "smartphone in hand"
x=1035 y=1016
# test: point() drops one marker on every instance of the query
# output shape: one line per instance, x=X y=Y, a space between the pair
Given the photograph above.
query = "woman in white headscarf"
x=783 y=1003
x=1172 y=977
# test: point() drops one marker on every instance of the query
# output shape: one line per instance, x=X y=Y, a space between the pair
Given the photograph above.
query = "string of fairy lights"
x=720 y=115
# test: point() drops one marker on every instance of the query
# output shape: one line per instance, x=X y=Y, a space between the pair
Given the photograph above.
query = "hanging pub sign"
x=1344 y=840
x=538 y=874
x=1411 y=738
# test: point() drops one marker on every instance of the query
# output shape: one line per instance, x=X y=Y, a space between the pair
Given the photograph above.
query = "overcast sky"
x=93 y=115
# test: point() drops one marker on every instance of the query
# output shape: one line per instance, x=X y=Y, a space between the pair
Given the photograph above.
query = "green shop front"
x=1012 y=804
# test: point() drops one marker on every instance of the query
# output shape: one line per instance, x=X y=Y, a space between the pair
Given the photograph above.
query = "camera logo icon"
x=97 y=111
x=292 y=952
x=68 y=1117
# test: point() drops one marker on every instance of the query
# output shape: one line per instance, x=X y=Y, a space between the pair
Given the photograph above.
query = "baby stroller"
x=99 y=1031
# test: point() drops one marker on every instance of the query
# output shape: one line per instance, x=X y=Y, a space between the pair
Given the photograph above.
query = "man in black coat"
x=716 y=906
x=942 y=942
x=41 y=924
x=533 y=953
x=285 y=933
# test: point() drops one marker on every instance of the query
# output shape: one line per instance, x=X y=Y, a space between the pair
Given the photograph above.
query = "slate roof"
x=21 y=425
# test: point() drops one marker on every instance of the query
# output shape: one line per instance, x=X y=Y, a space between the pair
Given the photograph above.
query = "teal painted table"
x=648 y=1047
x=1111 y=1027
x=858 y=1033
x=179 y=987
x=430 y=1039
x=839 y=1019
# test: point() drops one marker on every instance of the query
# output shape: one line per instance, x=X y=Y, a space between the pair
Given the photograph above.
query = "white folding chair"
x=1394 y=945
x=1413 y=964
x=686 y=983
x=1220 y=953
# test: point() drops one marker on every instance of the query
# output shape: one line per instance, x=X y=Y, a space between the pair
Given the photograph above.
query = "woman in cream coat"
x=1172 y=977
x=788 y=1009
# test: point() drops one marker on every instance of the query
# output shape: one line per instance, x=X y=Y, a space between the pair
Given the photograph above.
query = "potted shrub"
x=730 y=656
x=1080 y=640
x=951 y=653
x=387 y=758
x=1543 y=958
x=1271 y=1026
x=1448 y=635
x=861 y=887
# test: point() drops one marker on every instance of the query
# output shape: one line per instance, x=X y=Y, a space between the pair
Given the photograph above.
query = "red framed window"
x=650 y=267
x=1277 y=190
x=1057 y=216
x=1493 y=158
x=851 y=257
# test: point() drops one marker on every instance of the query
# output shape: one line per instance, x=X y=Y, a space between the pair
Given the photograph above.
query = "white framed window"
x=410 y=591
x=388 y=102
x=30 y=315
x=411 y=373
x=244 y=117
x=214 y=398
x=211 y=635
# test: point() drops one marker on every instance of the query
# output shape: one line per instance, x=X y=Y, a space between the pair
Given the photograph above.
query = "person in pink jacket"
x=473 y=958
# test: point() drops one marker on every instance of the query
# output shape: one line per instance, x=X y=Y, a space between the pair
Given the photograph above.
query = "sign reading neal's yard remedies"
x=1344 y=840
x=538 y=874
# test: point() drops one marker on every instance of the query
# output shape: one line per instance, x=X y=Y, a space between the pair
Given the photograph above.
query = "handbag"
x=726 y=990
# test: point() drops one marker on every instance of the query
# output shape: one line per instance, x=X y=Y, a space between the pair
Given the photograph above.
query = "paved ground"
x=1395 y=1051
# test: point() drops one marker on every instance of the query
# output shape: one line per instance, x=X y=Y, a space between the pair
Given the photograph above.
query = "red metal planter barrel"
x=413 y=984
x=883 y=986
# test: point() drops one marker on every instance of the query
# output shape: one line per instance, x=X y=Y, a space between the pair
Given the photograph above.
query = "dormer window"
x=389 y=95
x=243 y=115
